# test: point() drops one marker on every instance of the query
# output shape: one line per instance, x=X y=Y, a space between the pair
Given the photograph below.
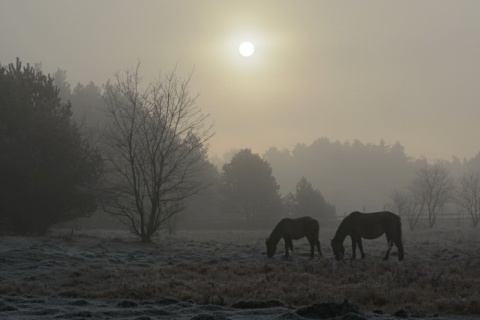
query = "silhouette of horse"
x=294 y=229
x=368 y=226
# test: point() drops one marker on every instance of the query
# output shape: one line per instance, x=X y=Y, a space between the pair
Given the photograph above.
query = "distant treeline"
x=349 y=175
x=354 y=175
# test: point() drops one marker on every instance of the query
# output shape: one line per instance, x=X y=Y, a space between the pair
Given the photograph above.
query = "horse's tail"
x=316 y=228
x=400 y=239
x=317 y=235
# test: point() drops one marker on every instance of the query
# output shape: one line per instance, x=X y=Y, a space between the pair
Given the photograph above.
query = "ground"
x=100 y=274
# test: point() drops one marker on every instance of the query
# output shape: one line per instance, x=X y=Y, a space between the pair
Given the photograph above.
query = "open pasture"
x=107 y=274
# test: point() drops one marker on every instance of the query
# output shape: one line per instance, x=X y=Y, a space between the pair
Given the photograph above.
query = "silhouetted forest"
x=350 y=175
x=346 y=176
x=355 y=176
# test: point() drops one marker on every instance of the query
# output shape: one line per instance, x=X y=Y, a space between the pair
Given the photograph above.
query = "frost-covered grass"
x=440 y=273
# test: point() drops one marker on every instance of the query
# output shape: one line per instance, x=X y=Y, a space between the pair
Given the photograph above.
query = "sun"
x=246 y=49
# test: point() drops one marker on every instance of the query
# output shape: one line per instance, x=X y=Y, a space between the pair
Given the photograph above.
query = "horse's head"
x=338 y=249
x=271 y=248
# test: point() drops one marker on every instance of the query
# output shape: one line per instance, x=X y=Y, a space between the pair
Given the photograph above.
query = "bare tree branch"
x=467 y=196
x=156 y=146
x=433 y=189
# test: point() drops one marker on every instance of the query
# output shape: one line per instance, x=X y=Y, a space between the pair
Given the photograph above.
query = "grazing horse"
x=368 y=226
x=294 y=229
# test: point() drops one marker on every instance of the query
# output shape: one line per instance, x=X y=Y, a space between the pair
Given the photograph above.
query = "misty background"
x=399 y=71
x=350 y=175
x=354 y=97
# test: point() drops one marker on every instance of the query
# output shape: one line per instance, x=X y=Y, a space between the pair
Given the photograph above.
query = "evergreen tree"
x=308 y=201
x=251 y=191
x=48 y=171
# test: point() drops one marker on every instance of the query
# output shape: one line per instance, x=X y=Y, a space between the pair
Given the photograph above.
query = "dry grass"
x=435 y=277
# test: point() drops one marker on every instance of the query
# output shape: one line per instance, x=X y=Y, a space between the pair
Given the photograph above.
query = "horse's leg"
x=313 y=242
x=318 y=247
x=354 y=248
x=360 y=246
x=390 y=244
x=399 y=245
x=287 y=245
x=312 y=248
x=290 y=244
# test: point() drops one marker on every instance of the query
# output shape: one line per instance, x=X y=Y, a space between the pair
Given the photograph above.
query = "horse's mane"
x=276 y=233
x=343 y=224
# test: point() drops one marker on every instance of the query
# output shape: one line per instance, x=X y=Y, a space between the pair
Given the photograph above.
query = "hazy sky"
x=405 y=71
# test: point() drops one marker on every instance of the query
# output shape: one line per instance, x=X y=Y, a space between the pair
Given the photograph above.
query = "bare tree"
x=156 y=148
x=467 y=196
x=407 y=206
x=432 y=188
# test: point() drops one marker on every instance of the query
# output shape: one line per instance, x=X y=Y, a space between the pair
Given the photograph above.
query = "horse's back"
x=307 y=220
x=298 y=228
x=389 y=218
x=309 y=223
x=373 y=225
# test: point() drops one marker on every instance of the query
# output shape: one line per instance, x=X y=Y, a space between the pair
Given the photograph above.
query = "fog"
x=353 y=96
x=399 y=71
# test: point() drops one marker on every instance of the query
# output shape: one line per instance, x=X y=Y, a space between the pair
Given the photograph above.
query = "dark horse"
x=368 y=226
x=294 y=229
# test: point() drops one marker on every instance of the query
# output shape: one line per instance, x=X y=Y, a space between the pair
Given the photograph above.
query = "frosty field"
x=100 y=274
